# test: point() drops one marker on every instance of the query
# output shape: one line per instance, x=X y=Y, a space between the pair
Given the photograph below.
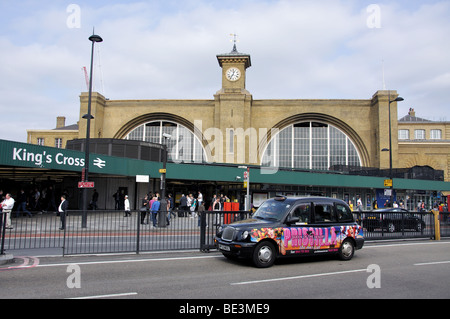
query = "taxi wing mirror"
x=292 y=220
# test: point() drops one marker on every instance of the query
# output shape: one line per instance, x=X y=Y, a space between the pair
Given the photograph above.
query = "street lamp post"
x=162 y=216
x=93 y=38
x=398 y=99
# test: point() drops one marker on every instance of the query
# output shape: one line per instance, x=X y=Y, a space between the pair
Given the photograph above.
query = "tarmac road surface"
x=404 y=269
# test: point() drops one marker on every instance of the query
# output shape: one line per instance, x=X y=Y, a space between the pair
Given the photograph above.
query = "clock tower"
x=234 y=66
x=233 y=102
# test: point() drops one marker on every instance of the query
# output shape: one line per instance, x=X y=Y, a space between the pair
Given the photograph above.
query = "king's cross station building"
x=288 y=146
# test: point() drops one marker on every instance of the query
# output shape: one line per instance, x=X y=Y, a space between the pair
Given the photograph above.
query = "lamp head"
x=95 y=38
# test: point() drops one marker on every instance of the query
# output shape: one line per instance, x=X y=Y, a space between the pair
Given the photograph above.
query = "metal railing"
x=379 y=225
x=112 y=232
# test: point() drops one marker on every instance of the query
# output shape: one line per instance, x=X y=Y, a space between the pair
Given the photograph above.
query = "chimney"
x=412 y=112
x=60 y=121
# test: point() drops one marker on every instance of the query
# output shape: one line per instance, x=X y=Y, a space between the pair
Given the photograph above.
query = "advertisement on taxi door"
x=307 y=239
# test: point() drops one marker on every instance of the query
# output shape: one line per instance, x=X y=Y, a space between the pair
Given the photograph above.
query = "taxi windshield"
x=272 y=210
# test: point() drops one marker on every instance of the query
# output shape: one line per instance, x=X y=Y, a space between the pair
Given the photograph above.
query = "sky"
x=166 y=49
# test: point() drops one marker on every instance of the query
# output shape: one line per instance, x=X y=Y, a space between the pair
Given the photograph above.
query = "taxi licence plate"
x=223 y=247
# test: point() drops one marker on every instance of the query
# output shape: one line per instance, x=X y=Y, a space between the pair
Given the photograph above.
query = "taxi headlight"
x=244 y=235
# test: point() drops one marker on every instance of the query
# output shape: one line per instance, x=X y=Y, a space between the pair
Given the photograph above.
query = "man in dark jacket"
x=62 y=211
x=183 y=205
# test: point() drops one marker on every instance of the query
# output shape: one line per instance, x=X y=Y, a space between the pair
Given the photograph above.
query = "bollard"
x=437 y=226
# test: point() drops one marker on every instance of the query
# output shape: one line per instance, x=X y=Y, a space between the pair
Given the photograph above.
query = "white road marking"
x=299 y=277
x=433 y=263
x=107 y=296
x=127 y=261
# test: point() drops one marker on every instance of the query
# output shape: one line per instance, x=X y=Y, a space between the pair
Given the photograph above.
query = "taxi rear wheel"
x=347 y=250
x=264 y=254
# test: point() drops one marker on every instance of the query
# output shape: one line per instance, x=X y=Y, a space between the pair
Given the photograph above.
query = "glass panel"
x=311 y=145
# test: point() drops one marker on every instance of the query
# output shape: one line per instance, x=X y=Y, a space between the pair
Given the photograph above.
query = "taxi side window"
x=324 y=213
x=303 y=212
x=344 y=213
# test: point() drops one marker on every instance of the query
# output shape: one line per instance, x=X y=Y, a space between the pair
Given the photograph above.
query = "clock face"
x=233 y=74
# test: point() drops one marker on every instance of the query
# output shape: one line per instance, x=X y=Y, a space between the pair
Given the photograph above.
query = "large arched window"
x=310 y=145
x=183 y=145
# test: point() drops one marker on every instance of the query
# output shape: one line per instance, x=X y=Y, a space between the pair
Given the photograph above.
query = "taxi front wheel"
x=264 y=254
x=347 y=250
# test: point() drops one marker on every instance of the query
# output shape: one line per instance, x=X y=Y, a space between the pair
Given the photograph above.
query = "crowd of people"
x=189 y=206
x=35 y=200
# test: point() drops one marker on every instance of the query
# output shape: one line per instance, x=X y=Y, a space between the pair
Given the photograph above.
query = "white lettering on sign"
x=39 y=159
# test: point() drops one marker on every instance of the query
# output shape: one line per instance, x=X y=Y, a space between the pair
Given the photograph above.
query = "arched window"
x=182 y=146
x=310 y=145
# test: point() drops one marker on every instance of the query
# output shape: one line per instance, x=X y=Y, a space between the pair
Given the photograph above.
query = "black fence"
x=396 y=225
x=112 y=232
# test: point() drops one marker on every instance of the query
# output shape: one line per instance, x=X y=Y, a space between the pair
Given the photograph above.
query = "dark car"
x=392 y=219
x=286 y=226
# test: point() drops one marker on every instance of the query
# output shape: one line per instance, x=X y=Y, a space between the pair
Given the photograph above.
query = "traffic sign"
x=388 y=183
x=85 y=184
x=162 y=171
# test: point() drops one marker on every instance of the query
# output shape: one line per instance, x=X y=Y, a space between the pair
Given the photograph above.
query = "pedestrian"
x=127 y=206
x=62 y=209
x=188 y=203
x=183 y=205
x=201 y=211
x=199 y=198
x=150 y=204
x=51 y=199
x=22 y=204
x=37 y=198
x=171 y=207
x=94 y=200
x=217 y=207
x=154 y=209
x=359 y=204
x=116 y=196
x=144 y=208
x=7 y=206
x=193 y=206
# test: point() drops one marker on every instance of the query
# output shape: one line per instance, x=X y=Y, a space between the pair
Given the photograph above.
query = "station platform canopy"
x=25 y=162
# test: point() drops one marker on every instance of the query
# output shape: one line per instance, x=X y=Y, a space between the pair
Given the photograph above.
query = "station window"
x=436 y=134
x=310 y=145
x=403 y=134
x=58 y=142
x=183 y=145
x=419 y=134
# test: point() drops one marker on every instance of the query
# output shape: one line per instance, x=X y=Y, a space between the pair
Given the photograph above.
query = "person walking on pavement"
x=22 y=204
x=183 y=205
x=171 y=206
x=127 y=206
x=7 y=206
x=154 y=210
x=62 y=209
x=201 y=210
x=94 y=200
x=144 y=209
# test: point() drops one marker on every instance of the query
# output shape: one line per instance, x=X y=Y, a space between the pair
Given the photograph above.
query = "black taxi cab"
x=292 y=226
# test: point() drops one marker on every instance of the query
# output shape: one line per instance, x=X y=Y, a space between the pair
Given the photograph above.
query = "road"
x=418 y=269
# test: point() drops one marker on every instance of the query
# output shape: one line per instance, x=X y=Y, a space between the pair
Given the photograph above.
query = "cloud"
x=167 y=49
